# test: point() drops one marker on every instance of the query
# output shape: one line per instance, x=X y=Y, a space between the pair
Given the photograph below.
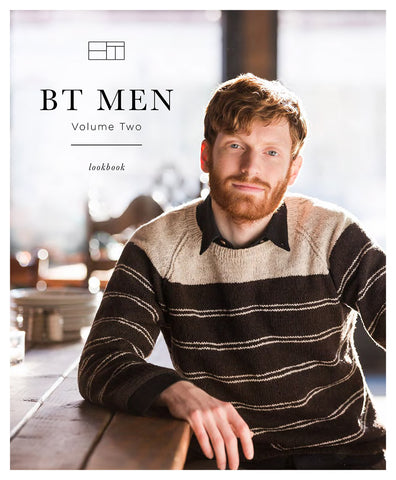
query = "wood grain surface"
x=52 y=427
x=142 y=443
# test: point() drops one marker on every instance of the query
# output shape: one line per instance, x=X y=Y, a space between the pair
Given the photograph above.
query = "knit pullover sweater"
x=269 y=330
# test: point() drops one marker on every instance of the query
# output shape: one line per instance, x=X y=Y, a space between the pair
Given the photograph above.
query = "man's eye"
x=234 y=145
x=272 y=153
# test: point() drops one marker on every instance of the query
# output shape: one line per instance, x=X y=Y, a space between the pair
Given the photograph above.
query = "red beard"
x=244 y=207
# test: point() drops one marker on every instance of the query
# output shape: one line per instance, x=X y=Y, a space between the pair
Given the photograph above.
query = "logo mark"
x=106 y=50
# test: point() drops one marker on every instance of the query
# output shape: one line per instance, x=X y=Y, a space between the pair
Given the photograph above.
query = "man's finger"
x=247 y=443
x=201 y=435
x=243 y=432
x=231 y=444
x=217 y=442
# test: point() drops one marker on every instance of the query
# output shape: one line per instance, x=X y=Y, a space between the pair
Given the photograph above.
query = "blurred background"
x=68 y=224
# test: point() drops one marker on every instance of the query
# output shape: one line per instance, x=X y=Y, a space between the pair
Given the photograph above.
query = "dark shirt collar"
x=276 y=230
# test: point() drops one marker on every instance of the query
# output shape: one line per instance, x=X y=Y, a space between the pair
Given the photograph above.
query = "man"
x=256 y=293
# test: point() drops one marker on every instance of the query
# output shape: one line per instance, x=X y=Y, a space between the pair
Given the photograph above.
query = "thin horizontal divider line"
x=106 y=144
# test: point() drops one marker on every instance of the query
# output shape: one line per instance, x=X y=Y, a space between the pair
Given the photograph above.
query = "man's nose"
x=250 y=163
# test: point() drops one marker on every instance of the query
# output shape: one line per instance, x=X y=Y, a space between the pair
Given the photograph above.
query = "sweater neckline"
x=194 y=232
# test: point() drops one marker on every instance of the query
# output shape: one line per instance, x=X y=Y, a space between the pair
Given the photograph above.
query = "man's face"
x=249 y=173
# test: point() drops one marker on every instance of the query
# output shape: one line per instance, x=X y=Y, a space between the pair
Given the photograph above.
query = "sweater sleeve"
x=112 y=370
x=357 y=267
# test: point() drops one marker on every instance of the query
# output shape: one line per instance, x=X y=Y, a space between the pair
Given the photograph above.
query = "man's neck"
x=238 y=233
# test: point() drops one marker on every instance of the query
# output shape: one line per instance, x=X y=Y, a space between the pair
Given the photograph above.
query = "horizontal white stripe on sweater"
x=232 y=312
x=336 y=441
x=85 y=361
x=135 y=274
x=103 y=364
x=257 y=342
x=107 y=340
x=116 y=372
x=370 y=282
x=311 y=421
x=125 y=322
x=137 y=300
x=373 y=324
x=294 y=403
x=354 y=265
x=267 y=376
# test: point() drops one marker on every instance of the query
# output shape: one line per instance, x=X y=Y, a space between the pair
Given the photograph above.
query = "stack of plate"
x=56 y=314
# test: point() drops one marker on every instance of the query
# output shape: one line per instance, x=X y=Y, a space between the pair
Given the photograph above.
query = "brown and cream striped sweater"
x=267 y=329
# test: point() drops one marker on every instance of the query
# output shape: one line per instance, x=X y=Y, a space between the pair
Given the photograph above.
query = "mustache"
x=244 y=178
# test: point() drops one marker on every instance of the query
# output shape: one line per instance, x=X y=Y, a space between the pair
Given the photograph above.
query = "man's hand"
x=216 y=424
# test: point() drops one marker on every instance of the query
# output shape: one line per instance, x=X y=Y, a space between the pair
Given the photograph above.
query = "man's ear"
x=295 y=169
x=205 y=149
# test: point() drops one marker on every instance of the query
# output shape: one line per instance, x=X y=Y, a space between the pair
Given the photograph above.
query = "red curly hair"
x=237 y=102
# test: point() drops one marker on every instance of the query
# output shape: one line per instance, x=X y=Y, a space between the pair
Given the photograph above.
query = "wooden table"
x=52 y=427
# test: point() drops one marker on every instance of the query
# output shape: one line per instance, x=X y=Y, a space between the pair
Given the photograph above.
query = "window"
x=335 y=61
x=51 y=184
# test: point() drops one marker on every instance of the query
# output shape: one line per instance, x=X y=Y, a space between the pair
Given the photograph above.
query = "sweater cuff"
x=141 y=401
